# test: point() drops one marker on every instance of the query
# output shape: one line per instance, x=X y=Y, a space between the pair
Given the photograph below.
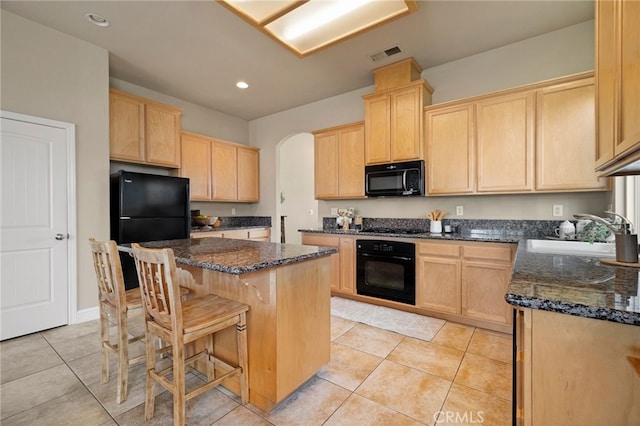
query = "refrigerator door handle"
x=125 y=217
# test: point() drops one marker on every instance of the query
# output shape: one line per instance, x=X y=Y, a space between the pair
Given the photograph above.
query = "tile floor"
x=453 y=374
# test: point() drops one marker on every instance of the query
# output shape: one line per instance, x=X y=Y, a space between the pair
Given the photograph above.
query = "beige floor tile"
x=454 y=335
x=242 y=416
x=339 y=326
x=27 y=392
x=75 y=408
x=71 y=331
x=312 y=404
x=348 y=366
x=414 y=393
x=362 y=411
x=24 y=356
x=485 y=374
x=370 y=339
x=431 y=358
x=89 y=367
x=492 y=345
x=204 y=409
x=472 y=407
x=77 y=346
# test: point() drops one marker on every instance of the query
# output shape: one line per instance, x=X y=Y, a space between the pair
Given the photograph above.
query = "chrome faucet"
x=599 y=220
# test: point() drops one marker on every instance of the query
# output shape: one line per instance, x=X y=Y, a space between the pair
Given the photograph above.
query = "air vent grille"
x=375 y=57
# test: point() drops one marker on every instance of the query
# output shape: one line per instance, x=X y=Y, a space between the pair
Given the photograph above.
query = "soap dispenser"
x=626 y=245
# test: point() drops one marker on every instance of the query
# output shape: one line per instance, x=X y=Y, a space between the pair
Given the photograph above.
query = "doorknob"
x=59 y=237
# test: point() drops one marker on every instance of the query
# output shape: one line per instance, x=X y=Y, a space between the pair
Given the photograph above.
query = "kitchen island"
x=577 y=340
x=287 y=289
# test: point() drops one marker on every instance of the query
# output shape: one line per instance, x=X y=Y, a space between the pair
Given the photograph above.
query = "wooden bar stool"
x=114 y=301
x=177 y=323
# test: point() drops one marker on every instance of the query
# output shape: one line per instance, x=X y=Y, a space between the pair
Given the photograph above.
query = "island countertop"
x=237 y=257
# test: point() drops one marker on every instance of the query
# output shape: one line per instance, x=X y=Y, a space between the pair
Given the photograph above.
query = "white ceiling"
x=197 y=50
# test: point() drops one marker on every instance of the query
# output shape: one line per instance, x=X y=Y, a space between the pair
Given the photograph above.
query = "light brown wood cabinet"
x=537 y=138
x=220 y=170
x=394 y=123
x=255 y=234
x=143 y=131
x=465 y=281
x=565 y=137
x=575 y=371
x=339 y=162
x=343 y=268
x=618 y=86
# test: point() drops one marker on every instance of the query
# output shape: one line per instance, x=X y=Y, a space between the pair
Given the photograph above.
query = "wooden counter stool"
x=177 y=323
x=115 y=301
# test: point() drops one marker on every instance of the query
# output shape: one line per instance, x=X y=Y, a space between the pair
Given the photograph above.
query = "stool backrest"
x=106 y=262
x=158 y=279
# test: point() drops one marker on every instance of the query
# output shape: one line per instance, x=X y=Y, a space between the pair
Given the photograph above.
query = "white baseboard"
x=85 y=315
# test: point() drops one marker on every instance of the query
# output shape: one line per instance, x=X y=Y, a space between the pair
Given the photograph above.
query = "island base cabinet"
x=288 y=325
x=576 y=371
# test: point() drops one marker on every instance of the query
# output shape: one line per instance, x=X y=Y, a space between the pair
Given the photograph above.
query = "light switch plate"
x=557 y=210
x=459 y=210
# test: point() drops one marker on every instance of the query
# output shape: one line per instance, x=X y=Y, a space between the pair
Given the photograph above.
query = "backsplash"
x=525 y=228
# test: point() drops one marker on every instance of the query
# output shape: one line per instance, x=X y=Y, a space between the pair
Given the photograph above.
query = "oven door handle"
x=386 y=257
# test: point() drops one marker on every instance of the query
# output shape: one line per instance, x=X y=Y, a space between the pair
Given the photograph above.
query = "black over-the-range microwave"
x=395 y=179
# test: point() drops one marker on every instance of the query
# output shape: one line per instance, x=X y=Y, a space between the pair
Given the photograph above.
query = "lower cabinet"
x=255 y=234
x=466 y=280
x=576 y=371
x=343 y=264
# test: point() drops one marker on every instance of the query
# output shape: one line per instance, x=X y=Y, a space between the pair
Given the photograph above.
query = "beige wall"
x=555 y=54
x=46 y=73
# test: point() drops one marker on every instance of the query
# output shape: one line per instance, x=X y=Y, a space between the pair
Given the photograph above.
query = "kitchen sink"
x=576 y=248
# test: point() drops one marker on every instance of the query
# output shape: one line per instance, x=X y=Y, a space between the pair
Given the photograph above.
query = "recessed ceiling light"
x=96 y=19
x=242 y=85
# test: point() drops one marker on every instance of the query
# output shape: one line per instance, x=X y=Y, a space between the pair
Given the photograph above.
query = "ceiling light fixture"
x=96 y=19
x=306 y=26
x=242 y=85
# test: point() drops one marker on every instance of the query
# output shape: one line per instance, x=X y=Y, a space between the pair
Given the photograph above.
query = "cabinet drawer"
x=439 y=249
x=206 y=234
x=259 y=234
x=500 y=252
x=320 y=240
x=240 y=234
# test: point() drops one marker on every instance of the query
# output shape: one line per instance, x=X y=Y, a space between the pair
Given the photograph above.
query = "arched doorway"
x=296 y=186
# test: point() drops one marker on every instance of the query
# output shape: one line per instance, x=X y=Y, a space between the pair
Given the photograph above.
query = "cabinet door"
x=376 y=130
x=351 y=162
x=605 y=68
x=326 y=164
x=162 y=135
x=504 y=140
x=248 y=175
x=327 y=241
x=566 y=137
x=406 y=137
x=126 y=128
x=438 y=284
x=450 y=150
x=629 y=115
x=347 y=266
x=196 y=165
x=483 y=289
x=224 y=172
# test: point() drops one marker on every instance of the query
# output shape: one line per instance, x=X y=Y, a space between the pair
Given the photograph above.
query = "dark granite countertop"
x=238 y=256
x=573 y=285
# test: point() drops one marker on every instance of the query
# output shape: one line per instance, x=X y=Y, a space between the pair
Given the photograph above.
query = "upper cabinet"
x=220 y=170
x=393 y=114
x=538 y=138
x=339 y=162
x=618 y=87
x=143 y=131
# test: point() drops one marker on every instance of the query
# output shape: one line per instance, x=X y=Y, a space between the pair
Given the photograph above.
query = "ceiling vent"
x=375 y=57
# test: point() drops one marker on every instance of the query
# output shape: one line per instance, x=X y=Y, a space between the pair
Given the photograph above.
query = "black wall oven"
x=386 y=270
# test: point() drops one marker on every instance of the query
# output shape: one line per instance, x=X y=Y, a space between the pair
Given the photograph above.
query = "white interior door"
x=33 y=228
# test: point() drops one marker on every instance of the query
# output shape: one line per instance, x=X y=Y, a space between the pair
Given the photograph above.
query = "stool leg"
x=123 y=356
x=241 y=335
x=178 y=382
x=150 y=382
x=104 y=338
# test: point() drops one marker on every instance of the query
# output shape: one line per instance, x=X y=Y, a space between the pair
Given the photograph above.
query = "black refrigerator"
x=146 y=207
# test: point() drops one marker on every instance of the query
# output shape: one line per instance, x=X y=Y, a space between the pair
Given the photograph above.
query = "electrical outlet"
x=334 y=211
x=459 y=210
x=233 y=210
x=557 y=210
